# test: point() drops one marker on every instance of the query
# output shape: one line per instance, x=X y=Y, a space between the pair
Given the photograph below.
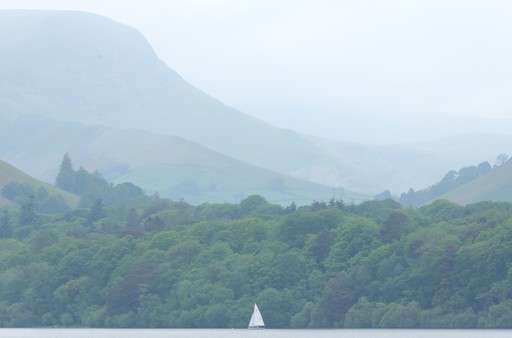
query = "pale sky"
x=309 y=63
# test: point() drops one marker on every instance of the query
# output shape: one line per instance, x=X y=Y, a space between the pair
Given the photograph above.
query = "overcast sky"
x=296 y=61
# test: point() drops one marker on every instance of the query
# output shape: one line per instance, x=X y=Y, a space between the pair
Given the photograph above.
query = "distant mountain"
x=169 y=165
x=10 y=174
x=370 y=128
x=398 y=167
x=73 y=66
x=496 y=185
x=80 y=67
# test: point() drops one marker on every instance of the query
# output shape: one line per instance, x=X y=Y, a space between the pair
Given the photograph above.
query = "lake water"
x=244 y=333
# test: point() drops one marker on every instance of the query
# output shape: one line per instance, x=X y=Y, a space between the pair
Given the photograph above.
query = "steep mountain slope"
x=9 y=173
x=170 y=165
x=81 y=67
x=493 y=186
x=73 y=66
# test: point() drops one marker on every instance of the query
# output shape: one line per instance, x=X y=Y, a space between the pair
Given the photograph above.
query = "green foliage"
x=91 y=186
x=42 y=201
x=27 y=215
x=450 y=181
x=16 y=191
x=171 y=264
x=97 y=211
x=66 y=177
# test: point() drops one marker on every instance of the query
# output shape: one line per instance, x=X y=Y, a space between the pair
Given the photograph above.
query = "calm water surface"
x=244 y=333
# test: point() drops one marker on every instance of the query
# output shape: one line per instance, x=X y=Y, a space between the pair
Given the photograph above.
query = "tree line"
x=91 y=186
x=171 y=264
x=451 y=180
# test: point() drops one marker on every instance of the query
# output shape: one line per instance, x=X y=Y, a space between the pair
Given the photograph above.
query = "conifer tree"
x=97 y=211
x=28 y=215
x=66 y=177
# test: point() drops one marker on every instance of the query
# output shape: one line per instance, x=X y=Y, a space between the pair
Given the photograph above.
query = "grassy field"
x=496 y=185
x=8 y=174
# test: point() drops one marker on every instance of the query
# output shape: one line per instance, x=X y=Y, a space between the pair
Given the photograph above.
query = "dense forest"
x=172 y=264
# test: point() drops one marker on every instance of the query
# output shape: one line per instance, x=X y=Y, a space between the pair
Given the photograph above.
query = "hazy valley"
x=130 y=198
x=57 y=90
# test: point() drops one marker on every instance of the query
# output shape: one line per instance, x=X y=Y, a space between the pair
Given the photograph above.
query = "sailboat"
x=256 y=321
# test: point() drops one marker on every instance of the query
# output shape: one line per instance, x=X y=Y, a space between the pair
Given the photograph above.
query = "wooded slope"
x=170 y=264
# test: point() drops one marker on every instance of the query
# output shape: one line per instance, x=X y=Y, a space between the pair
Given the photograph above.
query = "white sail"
x=256 y=321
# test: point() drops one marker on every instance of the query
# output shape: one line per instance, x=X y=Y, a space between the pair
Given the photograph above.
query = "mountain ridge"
x=90 y=69
x=157 y=163
x=150 y=89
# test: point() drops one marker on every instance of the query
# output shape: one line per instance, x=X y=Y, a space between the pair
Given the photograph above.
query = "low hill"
x=452 y=180
x=9 y=174
x=496 y=185
x=170 y=165
x=399 y=167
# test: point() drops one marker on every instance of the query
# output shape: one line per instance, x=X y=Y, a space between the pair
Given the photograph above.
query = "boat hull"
x=256 y=327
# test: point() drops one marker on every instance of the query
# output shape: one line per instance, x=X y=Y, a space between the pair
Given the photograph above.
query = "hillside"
x=9 y=174
x=174 y=265
x=86 y=68
x=170 y=165
x=80 y=67
x=398 y=167
x=451 y=180
x=493 y=186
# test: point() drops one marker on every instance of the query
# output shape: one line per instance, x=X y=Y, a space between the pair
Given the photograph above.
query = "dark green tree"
x=393 y=227
x=66 y=177
x=17 y=192
x=97 y=211
x=28 y=215
x=132 y=219
x=338 y=296
x=5 y=226
x=321 y=245
x=251 y=204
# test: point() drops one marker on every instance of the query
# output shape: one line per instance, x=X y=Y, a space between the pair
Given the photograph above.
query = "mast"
x=256 y=321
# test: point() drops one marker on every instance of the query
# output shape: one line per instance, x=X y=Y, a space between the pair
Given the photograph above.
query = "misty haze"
x=341 y=165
